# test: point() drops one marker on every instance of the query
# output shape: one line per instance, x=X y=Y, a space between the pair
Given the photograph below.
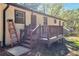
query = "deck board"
x=18 y=50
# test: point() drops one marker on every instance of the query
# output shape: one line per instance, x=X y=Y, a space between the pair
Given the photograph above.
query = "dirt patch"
x=56 y=49
x=3 y=52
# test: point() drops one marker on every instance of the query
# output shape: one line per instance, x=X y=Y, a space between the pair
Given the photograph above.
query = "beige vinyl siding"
x=10 y=14
x=51 y=21
x=1 y=23
x=2 y=6
x=62 y=23
x=28 y=17
x=39 y=18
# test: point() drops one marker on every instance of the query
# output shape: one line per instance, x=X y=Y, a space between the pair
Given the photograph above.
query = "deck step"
x=18 y=50
x=26 y=45
x=27 y=41
x=29 y=53
x=28 y=37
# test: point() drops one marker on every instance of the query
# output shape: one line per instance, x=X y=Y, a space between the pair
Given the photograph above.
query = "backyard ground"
x=73 y=45
x=69 y=47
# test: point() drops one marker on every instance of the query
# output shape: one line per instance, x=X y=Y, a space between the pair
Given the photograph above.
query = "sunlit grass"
x=74 y=40
x=77 y=44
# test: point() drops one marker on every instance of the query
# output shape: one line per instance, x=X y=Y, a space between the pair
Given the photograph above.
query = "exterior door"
x=45 y=27
x=33 y=21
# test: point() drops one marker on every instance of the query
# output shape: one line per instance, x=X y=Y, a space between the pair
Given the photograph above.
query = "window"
x=63 y=23
x=19 y=17
x=59 y=23
x=55 y=21
x=45 y=20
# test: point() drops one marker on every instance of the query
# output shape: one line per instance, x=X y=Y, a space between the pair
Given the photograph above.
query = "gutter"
x=4 y=25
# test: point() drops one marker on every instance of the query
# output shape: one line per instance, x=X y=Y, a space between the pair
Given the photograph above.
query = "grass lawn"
x=73 y=45
x=74 y=40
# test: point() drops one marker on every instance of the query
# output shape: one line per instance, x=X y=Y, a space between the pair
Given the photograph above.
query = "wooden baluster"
x=31 y=39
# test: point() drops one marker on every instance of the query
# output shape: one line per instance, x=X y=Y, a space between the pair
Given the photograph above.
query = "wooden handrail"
x=31 y=34
x=35 y=28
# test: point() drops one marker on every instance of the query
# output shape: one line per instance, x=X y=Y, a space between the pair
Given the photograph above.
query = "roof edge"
x=20 y=6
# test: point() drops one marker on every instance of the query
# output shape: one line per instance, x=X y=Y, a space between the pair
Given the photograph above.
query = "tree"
x=55 y=9
x=33 y=6
x=72 y=19
x=51 y=9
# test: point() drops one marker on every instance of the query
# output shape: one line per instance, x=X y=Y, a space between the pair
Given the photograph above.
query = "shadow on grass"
x=73 y=45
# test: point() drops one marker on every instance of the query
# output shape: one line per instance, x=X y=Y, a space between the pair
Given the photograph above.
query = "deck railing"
x=34 y=34
x=35 y=28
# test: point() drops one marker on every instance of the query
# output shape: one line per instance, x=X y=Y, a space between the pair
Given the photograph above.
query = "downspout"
x=4 y=25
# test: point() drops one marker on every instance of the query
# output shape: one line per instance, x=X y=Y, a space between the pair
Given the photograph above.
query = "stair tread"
x=26 y=45
x=26 y=41
x=29 y=41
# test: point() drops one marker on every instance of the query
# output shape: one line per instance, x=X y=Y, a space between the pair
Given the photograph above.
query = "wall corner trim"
x=4 y=25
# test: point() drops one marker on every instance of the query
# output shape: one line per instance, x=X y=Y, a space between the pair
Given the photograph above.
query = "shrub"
x=72 y=34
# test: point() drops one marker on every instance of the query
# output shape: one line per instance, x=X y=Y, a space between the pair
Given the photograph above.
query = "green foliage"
x=33 y=6
x=72 y=34
x=74 y=41
x=55 y=9
x=72 y=19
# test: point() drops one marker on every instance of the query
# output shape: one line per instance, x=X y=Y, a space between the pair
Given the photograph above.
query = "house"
x=22 y=16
